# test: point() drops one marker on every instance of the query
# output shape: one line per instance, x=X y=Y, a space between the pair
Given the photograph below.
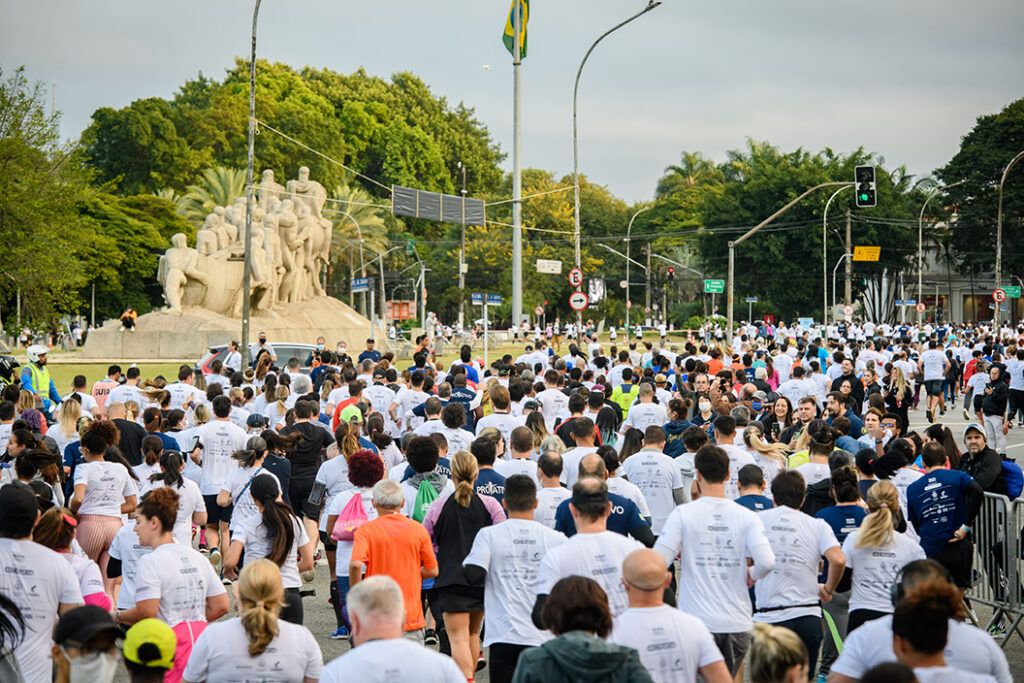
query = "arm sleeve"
x=494 y=507
x=643 y=533
x=991 y=468
x=113 y=567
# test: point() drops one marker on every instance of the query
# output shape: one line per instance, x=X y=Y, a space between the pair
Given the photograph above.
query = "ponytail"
x=260 y=596
x=878 y=527
x=375 y=429
x=170 y=470
x=464 y=472
x=278 y=520
x=772 y=451
x=113 y=454
x=774 y=651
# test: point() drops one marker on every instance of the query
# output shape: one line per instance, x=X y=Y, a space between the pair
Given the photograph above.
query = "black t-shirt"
x=454 y=532
x=282 y=469
x=306 y=457
x=132 y=434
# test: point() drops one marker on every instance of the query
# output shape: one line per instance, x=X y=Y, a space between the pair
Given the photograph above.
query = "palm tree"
x=360 y=227
x=691 y=170
x=219 y=186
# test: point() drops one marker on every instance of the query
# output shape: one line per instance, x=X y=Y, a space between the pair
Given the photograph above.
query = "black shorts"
x=215 y=513
x=460 y=599
x=933 y=387
x=298 y=494
x=958 y=559
x=978 y=398
x=329 y=543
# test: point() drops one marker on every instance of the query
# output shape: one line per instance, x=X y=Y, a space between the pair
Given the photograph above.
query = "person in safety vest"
x=35 y=377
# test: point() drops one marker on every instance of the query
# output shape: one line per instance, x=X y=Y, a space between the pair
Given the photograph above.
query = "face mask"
x=705 y=406
x=97 y=667
x=342 y=349
x=319 y=347
x=756 y=405
x=263 y=340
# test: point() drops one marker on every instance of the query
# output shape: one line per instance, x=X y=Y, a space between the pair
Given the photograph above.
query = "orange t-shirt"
x=397 y=546
x=714 y=366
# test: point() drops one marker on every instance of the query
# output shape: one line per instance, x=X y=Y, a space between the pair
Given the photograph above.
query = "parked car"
x=283 y=350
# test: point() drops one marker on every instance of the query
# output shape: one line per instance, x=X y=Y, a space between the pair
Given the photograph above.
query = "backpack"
x=425 y=495
x=1014 y=478
x=352 y=516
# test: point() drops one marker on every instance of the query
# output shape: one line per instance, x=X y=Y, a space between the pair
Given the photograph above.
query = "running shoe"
x=341 y=633
x=430 y=637
x=215 y=559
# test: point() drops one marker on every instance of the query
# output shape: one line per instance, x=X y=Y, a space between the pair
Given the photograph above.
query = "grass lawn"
x=63 y=373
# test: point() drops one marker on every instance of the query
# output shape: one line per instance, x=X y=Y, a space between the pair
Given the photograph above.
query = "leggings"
x=291 y=611
x=95 y=534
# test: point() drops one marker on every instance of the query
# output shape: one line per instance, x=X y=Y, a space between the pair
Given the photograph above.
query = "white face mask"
x=705 y=406
x=97 y=667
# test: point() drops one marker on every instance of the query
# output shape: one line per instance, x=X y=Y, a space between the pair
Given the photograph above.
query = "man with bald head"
x=625 y=518
x=594 y=552
x=673 y=645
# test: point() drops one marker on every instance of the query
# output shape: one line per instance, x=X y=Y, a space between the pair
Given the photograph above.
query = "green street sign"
x=1012 y=292
x=714 y=286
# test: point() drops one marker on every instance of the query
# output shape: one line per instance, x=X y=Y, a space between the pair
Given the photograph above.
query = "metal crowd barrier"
x=997 y=577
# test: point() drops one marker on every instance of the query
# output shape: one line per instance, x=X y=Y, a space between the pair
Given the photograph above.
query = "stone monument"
x=203 y=285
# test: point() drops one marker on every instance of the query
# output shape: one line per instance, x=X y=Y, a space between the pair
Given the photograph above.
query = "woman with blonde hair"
x=276 y=410
x=66 y=429
x=876 y=553
x=257 y=639
x=453 y=522
x=770 y=457
x=26 y=401
x=535 y=421
x=777 y=655
x=899 y=395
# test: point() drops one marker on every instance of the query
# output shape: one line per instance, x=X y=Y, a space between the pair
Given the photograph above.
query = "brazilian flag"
x=510 y=28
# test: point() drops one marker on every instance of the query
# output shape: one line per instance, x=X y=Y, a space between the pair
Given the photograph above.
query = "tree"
x=218 y=186
x=984 y=153
x=358 y=220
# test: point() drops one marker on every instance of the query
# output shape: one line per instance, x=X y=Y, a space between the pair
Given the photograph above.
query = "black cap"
x=379 y=373
x=257 y=421
x=370 y=341
x=18 y=509
x=82 y=624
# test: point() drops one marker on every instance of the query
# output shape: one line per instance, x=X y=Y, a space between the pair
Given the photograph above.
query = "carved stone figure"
x=268 y=190
x=308 y=192
x=176 y=267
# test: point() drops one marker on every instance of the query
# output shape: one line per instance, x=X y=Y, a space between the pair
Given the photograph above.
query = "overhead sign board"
x=1012 y=291
x=714 y=286
x=360 y=284
x=549 y=266
x=434 y=206
x=866 y=253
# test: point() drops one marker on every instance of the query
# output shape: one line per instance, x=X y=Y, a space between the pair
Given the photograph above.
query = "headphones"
x=896 y=589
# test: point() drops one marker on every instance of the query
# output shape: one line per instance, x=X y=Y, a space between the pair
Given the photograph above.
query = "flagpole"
x=517 y=179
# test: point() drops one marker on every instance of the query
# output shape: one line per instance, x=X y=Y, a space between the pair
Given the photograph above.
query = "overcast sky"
x=904 y=78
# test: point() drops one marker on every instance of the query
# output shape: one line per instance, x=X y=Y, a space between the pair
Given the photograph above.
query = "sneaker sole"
x=215 y=560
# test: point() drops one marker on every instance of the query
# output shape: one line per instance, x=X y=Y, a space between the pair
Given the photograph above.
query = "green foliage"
x=984 y=153
x=218 y=186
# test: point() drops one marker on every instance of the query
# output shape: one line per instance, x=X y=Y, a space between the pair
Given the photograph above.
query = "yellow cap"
x=155 y=640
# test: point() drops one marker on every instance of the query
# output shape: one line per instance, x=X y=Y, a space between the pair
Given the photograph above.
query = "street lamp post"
x=824 y=255
x=920 y=245
x=834 y=271
x=462 y=252
x=629 y=230
x=999 y=234
x=575 y=139
x=247 y=267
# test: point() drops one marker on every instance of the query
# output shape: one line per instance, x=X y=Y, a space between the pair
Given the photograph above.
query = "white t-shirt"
x=333 y=474
x=144 y=472
x=190 y=500
x=552 y=403
x=38 y=581
x=127 y=547
x=220 y=439
x=813 y=472
x=596 y=556
x=128 y=392
x=511 y=553
x=428 y=427
x=343 y=555
x=799 y=541
x=221 y=653
x=107 y=484
x=388 y=661
x=253 y=536
x=181 y=578
x=627 y=489
x=714 y=538
x=947 y=674
x=673 y=645
x=968 y=648
x=239 y=417
x=571 y=463
x=406 y=400
x=933 y=361
x=507 y=468
x=5 y=436
x=656 y=475
x=548 y=500
x=738 y=458
x=458 y=439
x=182 y=393
x=90 y=581
x=874 y=569
x=239 y=485
x=504 y=423
x=644 y=415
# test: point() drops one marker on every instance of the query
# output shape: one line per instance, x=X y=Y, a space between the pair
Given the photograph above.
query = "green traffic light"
x=863 y=197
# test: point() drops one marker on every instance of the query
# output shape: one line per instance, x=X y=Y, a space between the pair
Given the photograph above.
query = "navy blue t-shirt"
x=465 y=396
x=444 y=466
x=755 y=503
x=844 y=519
x=490 y=483
x=624 y=518
x=937 y=507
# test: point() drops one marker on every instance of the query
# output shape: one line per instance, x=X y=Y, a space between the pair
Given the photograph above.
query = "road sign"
x=578 y=301
x=806 y=323
x=1012 y=291
x=921 y=307
x=999 y=295
x=494 y=299
x=549 y=266
x=477 y=298
x=360 y=284
x=866 y=253
x=751 y=300
x=575 y=277
x=539 y=311
x=714 y=286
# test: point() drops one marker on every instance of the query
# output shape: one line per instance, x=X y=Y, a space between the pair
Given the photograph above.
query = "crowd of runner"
x=632 y=511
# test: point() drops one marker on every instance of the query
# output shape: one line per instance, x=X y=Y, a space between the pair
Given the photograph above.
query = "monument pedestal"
x=190 y=333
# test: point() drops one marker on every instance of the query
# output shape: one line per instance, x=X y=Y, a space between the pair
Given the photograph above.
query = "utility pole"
x=247 y=266
x=647 y=289
x=517 y=175
x=848 y=299
x=462 y=252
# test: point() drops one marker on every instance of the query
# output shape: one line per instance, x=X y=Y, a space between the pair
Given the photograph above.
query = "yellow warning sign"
x=866 y=253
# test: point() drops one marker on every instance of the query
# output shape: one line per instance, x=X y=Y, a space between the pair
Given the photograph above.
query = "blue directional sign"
x=494 y=299
x=360 y=284
x=477 y=298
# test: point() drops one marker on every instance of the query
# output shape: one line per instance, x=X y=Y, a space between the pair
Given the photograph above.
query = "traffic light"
x=671 y=273
x=864 y=177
